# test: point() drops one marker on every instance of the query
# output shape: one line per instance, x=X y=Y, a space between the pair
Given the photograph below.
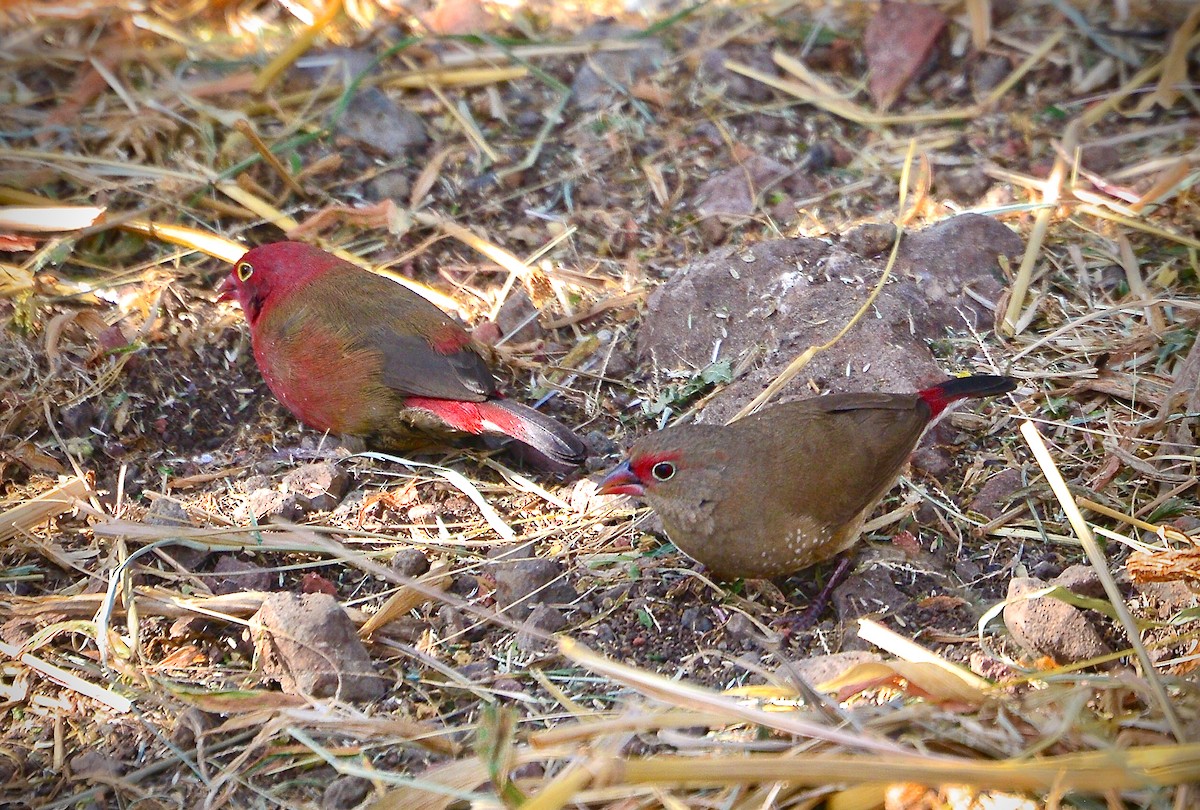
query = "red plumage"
x=353 y=353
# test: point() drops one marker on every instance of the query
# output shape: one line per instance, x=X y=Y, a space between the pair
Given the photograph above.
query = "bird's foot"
x=812 y=614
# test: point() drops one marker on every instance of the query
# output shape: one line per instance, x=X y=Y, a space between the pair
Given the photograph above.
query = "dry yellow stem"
x=22 y=518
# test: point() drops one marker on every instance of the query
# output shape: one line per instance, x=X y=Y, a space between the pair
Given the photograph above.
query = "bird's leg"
x=845 y=562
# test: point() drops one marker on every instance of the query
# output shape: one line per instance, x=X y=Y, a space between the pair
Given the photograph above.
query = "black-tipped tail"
x=553 y=440
x=980 y=385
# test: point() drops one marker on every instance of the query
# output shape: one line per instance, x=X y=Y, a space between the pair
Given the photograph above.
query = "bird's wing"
x=848 y=448
x=426 y=353
x=412 y=367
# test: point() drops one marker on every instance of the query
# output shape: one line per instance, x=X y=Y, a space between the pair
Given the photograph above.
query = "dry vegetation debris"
x=539 y=170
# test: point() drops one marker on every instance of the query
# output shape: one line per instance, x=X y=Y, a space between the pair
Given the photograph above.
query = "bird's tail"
x=981 y=385
x=535 y=429
x=502 y=417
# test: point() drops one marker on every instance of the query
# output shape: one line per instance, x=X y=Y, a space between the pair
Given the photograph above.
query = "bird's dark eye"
x=663 y=471
x=244 y=270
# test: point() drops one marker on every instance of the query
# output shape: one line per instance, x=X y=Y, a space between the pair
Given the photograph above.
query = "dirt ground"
x=628 y=158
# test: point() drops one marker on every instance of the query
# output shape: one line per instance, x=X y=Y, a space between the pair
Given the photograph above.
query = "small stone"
x=239 y=575
x=264 y=504
x=463 y=585
x=518 y=318
x=988 y=72
x=166 y=512
x=1048 y=626
x=544 y=620
x=964 y=185
x=1081 y=579
x=521 y=584
x=410 y=562
x=870 y=239
x=822 y=668
x=377 y=123
x=95 y=763
x=1046 y=569
x=998 y=493
x=528 y=119
x=477 y=671
x=712 y=231
x=390 y=185
x=712 y=71
x=741 y=629
x=310 y=645
x=1102 y=158
x=190 y=725
x=511 y=686
x=735 y=192
x=604 y=634
x=692 y=620
x=593 y=85
x=345 y=792
x=346 y=63
x=322 y=485
x=530 y=770
x=870 y=592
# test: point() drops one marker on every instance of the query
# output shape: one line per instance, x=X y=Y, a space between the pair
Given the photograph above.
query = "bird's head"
x=685 y=474
x=637 y=474
x=269 y=272
x=670 y=463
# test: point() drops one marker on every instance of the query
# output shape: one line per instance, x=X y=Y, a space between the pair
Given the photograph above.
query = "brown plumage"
x=789 y=486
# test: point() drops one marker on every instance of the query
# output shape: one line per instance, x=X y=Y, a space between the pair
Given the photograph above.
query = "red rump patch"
x=936 y=399
x=448 y=339
x=472 y=417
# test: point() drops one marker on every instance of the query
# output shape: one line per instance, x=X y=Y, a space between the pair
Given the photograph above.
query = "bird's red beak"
x=226 y=290
x=622 y=481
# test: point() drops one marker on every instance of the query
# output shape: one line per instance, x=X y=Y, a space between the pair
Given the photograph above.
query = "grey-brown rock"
x=167 y=512
x=723 y=81
x=410 y=562
x=190 y=726
x=322 y=485
x=518 y=318
x=955 y=254
x=523 y=582
x=395 y=184
x=738 y=190
x=266 y=504
x=963 y=185
x=1050 y=627
x=95 y=763
x=998 y=493
x=542 y=622
x=345 y=792
x=378 y=124
x=236 y=575
x=762 y=305
x=869 y=591
x=1081 y=579
x=310 y=645
x=869 y=240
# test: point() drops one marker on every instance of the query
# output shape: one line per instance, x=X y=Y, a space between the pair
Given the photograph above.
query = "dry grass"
x=125 y=383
